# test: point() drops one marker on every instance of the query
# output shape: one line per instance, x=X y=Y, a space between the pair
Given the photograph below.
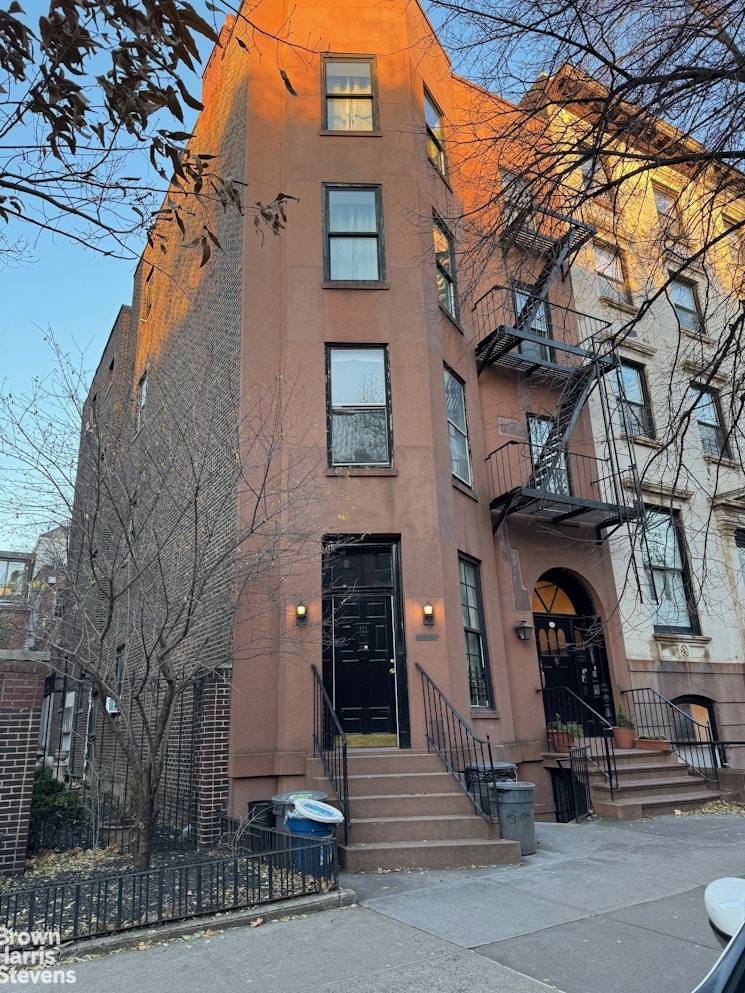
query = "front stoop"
x=650 y=783
x=406 y=812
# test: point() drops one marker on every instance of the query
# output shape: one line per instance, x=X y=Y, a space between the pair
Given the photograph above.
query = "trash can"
x=516 y=811
x=479 y=777
x=285 y=802
x=312 y=821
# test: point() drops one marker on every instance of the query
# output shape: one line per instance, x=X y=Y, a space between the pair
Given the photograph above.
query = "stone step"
x=636 y=808
x=628 y=788
x=446 y=854
x=405 y=804
x=420 y=828
x=655 y=771
x=395 y=783
x=364 y=762
x=644 y=756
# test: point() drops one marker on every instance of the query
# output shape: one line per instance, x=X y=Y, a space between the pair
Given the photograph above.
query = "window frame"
x=141 y=401
x=354 y=346
x=439 y=143
x=447 y=371
x=603 y=280
x=716 y=405
x=5 y=563
x=671 y=221
x=480 y=633
x=377 y=189
x=684 y=571
x=373 y=96
x=693 y=286
x=450 y=277
x=645 y=415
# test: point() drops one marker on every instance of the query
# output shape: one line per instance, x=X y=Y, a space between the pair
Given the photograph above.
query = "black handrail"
x=330 y=745
x=467 y=757
x=571 y=723
x=655 y=716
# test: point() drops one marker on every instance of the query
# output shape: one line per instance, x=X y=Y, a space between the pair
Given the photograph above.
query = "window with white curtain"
x=353 y=234
x=455 y=408
x=349 y=94
x=358 y=406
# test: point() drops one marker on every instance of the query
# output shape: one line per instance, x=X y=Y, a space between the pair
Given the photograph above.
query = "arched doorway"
x=570 y=642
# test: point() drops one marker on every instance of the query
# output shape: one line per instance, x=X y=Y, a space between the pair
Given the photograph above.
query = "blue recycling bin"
x=316 y=861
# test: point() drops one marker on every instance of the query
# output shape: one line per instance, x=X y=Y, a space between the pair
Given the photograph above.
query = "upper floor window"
x=595 y=181
x=141 y=400
x=735 y=234
x=433 y=121
x=455 y=409
x=529 y=305
x=479 y=675
x=445 y=262
x=740 y=549
x=549 y=473
x=666 y=567
x=518 y=200
x=358 y=402
x=707 y=412
x=610 y=273
x=633 y=398
x=12 y=577
x=668 y=212
x=349 y=94
x=354 y=234
x=684 y=298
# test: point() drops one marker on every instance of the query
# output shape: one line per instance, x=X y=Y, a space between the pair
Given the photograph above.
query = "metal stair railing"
x=583 y=727
x=330 y=745
x=655 y=716
x=467 y=757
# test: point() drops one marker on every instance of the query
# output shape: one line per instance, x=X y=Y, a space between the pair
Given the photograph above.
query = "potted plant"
x=623 y=731
x=561 y=734
x=653 y=743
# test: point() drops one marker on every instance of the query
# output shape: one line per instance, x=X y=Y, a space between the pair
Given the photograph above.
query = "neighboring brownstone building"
x=446 y=401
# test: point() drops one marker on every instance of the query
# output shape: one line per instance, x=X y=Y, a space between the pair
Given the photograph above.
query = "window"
x=479 y=677
x=445 y=262
x=141 y=400
x=667 y=572
x=684 y=299
x=354 y=243
x=435 y=133
x=111 y=704
x=358 y=407
x=633 y=400
x=595 y=182
x=110 y=374
x=455 y=408
x=556 y=479
x=12 y=578
x=610 y=274
x=519 y=202
x=668 y=213
x=707 y=413
x=349 y=94
x=540 y=322
x=740 y=549
x=735 y=233
x=68 y=712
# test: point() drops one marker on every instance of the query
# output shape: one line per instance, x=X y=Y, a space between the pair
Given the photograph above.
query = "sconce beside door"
x=524 y=630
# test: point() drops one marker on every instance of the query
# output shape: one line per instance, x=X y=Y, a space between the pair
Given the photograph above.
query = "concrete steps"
x=406 y=812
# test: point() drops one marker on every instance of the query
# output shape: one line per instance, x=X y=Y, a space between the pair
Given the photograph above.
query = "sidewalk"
x=601 y=908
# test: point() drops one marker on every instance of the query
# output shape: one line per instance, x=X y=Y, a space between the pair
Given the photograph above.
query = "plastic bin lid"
x=514 y=784
x=314 y=810
x=292 y=796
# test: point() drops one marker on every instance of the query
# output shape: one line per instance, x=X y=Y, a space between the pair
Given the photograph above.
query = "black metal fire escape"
x=517 y=328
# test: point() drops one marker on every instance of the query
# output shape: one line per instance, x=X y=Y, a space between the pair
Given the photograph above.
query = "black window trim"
x=694 y=624
x=451 y=277
x=724 y=440
x=647 y=418
x=328 y=347
x=379 y=235
x=350 y=57
x=459 y=379
x=491 y=705
x=439 y=142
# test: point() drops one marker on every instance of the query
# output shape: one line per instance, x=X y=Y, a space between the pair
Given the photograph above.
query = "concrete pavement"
x=601 y=908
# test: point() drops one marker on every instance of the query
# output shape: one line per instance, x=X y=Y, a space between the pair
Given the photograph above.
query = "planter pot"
x=653 y=746
x=624 y=737
x=559 y=741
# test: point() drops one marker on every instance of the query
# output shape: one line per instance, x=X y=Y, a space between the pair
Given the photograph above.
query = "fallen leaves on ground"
x=714 y=807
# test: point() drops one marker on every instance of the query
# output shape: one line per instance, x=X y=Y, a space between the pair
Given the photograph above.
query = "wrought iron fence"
x=572 y=724
x=467 y=757
x=107 y=903
x=330 y=744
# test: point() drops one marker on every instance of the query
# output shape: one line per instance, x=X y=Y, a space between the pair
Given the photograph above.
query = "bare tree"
x=179 y=516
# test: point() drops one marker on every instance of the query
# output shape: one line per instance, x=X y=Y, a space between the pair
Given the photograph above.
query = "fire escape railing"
x=656 y=717
x=467 y=757
x=330 y=745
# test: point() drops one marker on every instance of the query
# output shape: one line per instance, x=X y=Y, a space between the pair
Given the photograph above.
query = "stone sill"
x=639 y=439
x=464 y=489
x=361 y=471
x=327 y=132
x=665 y=638
x=721 y=461
x=625 y=308
x=353 y=285
x=482 y=714
x=452 y=320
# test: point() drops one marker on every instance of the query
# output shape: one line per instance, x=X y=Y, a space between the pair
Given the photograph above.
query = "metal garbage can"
x=481 y=775
x=515 y=803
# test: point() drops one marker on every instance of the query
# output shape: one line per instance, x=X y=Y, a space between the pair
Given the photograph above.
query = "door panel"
x=364 y=663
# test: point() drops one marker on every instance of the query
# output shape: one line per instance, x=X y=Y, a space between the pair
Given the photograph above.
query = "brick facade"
x=212 y=751
x=22 y=678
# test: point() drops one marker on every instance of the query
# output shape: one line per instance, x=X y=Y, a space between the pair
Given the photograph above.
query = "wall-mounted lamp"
x=524 y=630
x=428 y=614
x=301 y=614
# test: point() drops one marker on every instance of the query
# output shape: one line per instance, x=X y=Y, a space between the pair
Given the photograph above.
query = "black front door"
x=571 y=653
x=364 y=654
